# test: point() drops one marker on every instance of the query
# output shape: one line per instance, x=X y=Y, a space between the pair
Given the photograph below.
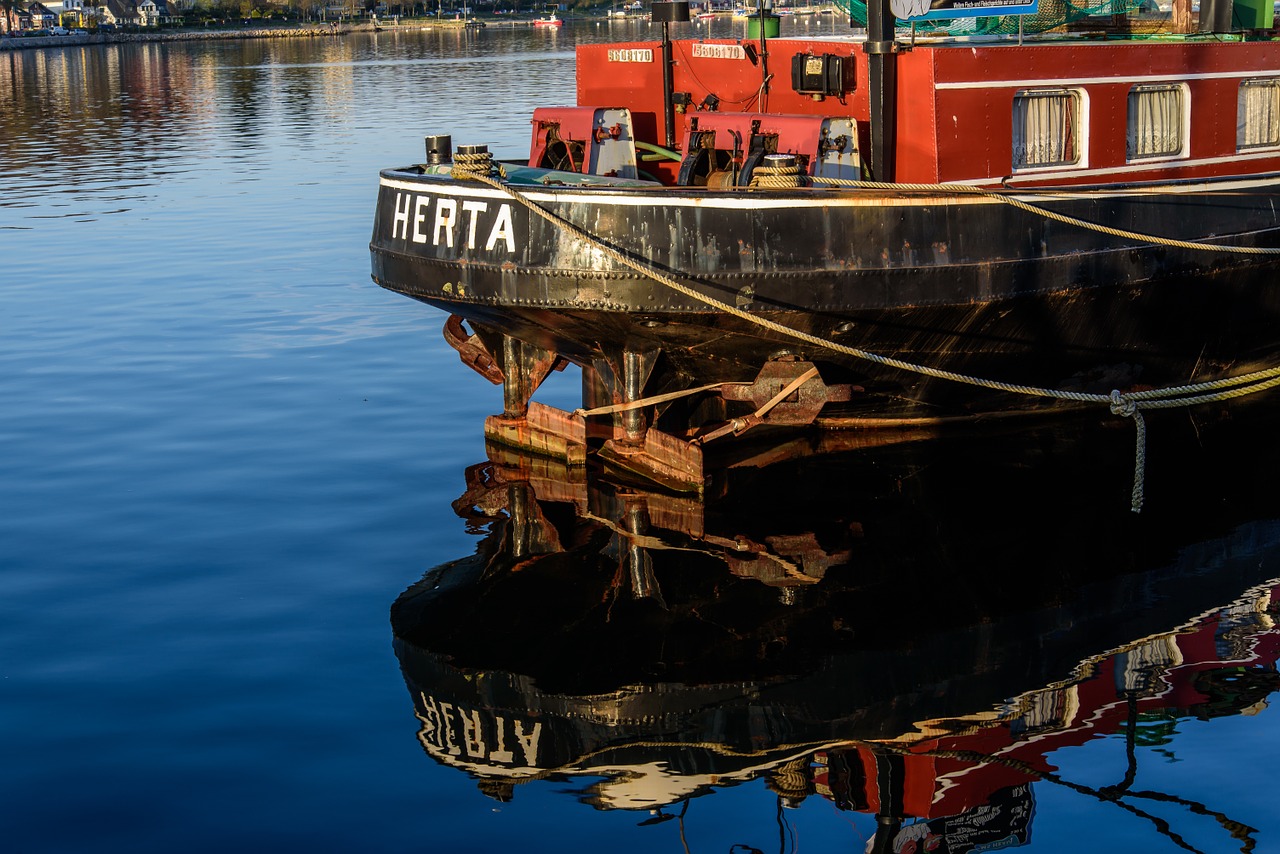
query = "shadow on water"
x=908 y=632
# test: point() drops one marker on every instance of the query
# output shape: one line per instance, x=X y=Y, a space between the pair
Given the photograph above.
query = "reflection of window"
x=1046 y=127
x=1156 y=121
x=1258 y=114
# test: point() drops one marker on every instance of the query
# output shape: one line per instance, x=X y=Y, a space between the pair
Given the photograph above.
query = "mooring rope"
x=1005 y=198
x=650 y=401
x=738 y=426
x=1129 y=405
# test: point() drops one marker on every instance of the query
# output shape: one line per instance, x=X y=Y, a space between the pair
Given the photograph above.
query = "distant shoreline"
x=194 y=34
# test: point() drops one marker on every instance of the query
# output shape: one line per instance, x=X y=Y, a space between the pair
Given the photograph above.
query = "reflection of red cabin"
x=1224 y=665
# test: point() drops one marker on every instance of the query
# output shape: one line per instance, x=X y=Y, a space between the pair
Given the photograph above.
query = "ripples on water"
x=225 y=454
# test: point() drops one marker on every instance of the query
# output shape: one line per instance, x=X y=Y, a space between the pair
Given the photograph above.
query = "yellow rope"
x=738 y=426
x=1048 y=214
x=473 y=165
x=776 y=177
x=1124 y=404
x=650 y=401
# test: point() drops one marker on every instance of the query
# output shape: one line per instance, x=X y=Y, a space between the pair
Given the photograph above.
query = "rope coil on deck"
x=1129 y=405
x=777 y=173
x=472 y=165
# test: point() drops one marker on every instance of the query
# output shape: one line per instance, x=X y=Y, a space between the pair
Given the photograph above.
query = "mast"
x=667 y=12
x=882 y=80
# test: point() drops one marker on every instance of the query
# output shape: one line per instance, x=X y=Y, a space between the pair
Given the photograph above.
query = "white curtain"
x=1044 y=128
x=1155 y=121
x=1258 y=114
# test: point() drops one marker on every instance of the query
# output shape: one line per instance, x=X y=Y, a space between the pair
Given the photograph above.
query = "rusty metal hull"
x=960 y=283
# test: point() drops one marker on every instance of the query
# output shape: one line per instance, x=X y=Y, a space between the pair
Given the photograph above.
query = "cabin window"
x=1157 y=121
x=1258 y=114
x=1046 y=128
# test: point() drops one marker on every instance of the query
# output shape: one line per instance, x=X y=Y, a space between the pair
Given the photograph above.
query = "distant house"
x=116 y=12
x=41 y=16
x=70 y=12
x=152 y=12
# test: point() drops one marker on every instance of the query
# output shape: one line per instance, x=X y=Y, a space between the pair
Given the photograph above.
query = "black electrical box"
x=669 y=11
x=820 y=74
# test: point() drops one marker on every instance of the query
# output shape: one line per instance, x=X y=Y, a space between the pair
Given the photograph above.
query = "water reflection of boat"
x=916 y=650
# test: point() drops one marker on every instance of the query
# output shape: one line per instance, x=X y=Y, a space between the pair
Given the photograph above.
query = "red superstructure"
x=954 y=101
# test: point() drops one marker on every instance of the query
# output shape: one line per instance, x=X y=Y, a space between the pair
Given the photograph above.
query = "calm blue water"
x=225 y=454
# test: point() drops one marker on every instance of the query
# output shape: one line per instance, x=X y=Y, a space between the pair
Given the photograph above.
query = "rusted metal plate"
x=543 y=430
x=801 y=406
x=665 y=460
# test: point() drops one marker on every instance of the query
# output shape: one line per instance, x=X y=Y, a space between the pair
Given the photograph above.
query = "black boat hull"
x=962 y=283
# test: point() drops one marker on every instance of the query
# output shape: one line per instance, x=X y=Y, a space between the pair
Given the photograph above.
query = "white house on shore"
x=148 y=13
x=70 y=13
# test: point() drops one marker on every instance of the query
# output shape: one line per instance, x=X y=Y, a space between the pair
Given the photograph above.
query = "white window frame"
x=1183 y=150
x=1080 y=127
x=1242 y=118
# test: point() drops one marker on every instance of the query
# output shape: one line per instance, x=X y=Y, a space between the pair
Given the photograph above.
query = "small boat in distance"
x=549 y=21
x=736 y=234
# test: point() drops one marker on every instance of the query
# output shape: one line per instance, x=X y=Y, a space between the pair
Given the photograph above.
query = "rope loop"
x=1126 y=407
x=1122 y=404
